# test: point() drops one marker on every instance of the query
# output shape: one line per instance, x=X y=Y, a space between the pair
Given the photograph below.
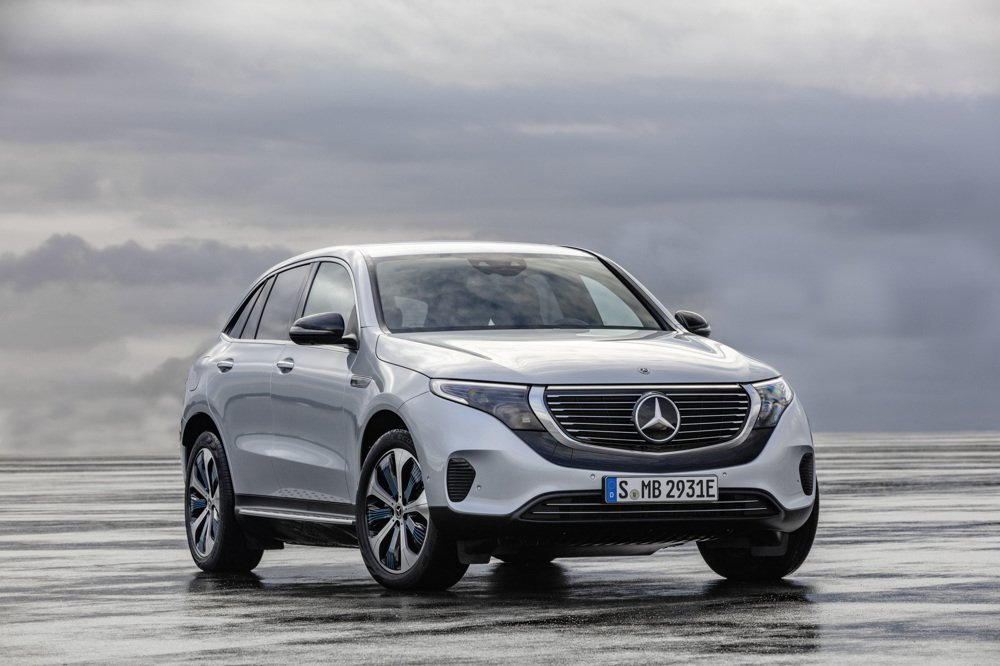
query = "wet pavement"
x=94 y=568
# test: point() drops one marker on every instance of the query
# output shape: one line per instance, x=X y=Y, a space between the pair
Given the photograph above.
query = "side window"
x=281 y=304
x=253 y=319
x=236 y=329
x=332 y=291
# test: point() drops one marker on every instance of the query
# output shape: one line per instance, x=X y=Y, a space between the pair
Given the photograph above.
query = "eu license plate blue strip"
x=611 y=489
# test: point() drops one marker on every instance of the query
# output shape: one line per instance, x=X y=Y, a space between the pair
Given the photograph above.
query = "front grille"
x=603 y=416
x=591 y=508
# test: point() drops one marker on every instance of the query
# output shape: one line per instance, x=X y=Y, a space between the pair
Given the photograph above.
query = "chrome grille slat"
x=737 y=424
x=700 y=439
x=618 y=404
x=607 y=432
x=603 y=416
x=623 y=399
x=591 y=409
x=628 y=406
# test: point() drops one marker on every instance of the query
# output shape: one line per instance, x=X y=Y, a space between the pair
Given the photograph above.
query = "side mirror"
x=325 y=328
x=693 y=322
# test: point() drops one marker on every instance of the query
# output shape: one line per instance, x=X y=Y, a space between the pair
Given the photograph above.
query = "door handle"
x=286 y=364
x=225 y=365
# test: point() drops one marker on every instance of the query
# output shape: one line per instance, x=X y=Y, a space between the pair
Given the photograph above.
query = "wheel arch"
x=197 y=423
x=378 y=424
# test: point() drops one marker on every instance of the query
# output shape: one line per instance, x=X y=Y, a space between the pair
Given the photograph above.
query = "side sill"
x=279 y=520
x=278 y=514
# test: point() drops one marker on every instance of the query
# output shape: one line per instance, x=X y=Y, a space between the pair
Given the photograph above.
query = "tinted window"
x=281 y=304
x=250 y=330
x=332 y=291
x=458 y=291
x=241 y=319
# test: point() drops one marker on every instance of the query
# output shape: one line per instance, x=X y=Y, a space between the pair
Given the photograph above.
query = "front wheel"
x=399 y=543
x=742 y=564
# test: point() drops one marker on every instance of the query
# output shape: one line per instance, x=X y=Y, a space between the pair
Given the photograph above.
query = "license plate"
x=660 y=489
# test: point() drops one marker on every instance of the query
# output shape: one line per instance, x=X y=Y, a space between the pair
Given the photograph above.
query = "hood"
x=571 y=357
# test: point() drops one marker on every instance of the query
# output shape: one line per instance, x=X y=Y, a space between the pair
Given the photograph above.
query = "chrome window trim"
x=536 y=399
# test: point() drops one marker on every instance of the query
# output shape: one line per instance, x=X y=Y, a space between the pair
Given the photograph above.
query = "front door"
x=312 y=428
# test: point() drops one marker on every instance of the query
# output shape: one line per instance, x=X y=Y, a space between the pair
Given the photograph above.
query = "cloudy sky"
x=819 y=178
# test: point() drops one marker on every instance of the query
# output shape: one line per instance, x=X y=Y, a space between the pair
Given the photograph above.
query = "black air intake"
x=807 y=473
x=461 y=475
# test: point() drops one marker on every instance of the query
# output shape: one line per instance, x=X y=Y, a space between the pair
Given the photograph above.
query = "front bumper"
x=567 y=524
x=511 y=477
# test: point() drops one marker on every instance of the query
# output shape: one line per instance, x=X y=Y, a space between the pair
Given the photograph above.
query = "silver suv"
x=439 y=404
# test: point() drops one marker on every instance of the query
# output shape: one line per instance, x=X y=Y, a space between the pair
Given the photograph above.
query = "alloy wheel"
x=396 y=511
x=203 y=500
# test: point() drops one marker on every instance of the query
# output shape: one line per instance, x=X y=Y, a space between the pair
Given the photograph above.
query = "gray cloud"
x=311 y=154
x=87 y=411
x=100 y=339
x=874 y=49
x=68 y=258
x=820 y=184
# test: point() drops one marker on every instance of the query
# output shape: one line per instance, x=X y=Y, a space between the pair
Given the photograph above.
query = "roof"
x=461 y=247
x=379 y=250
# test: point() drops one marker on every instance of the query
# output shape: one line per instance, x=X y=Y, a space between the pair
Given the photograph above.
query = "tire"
x=399 y=543
x=741 y=564
x=215 y=538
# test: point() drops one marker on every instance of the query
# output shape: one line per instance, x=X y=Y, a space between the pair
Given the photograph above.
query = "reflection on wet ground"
x=94 y=567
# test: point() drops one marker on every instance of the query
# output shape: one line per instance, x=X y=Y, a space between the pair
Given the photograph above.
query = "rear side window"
x=281 y=304
x=332 y=291
x=236 y=329
x=250 y=330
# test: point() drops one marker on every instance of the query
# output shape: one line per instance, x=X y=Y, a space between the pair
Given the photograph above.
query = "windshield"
x=510 y=291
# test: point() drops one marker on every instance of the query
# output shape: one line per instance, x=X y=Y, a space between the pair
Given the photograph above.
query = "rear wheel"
x=743 y=564
x=399 y=543
x=215 y=539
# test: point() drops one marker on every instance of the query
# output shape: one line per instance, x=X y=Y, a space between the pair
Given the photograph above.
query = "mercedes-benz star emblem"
x=656 y=417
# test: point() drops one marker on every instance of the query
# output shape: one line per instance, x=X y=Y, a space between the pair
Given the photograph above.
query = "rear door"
x=257 y=356
x=239 y=389
x=312 y=424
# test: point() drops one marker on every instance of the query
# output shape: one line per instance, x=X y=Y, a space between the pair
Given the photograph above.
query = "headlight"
x=507 y=402
x=775 y=395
